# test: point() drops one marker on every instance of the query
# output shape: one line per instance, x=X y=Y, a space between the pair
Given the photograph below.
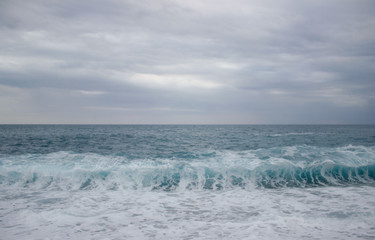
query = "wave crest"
x=298 y=166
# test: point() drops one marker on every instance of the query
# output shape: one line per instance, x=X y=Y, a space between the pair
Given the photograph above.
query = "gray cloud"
x=187 y=61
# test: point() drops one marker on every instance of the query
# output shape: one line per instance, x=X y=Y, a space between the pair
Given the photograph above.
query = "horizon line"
x=185 y=124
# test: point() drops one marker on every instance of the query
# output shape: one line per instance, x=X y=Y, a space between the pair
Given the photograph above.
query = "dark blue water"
x=167 y=140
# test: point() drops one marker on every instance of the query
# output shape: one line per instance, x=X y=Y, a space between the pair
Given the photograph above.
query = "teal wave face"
x=297 y=166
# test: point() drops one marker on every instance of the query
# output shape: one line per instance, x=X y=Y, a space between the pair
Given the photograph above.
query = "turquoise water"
x=187 y=182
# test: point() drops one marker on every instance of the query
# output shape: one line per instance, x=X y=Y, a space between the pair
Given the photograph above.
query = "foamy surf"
x=138 y=183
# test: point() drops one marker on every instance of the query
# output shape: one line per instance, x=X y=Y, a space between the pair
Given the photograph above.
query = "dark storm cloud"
x=187 y=61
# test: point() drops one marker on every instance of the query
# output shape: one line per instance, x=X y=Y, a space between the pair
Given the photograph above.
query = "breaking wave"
x=296 y=166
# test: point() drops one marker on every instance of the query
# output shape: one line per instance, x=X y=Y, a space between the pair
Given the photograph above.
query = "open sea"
x=187 y=182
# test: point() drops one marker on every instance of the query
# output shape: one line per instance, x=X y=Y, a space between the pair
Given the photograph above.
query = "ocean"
x=187 y=182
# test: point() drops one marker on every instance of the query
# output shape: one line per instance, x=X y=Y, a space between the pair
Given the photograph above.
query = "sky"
x=187 y=62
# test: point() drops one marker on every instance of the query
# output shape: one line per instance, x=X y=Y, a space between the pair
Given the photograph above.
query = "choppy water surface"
x=187 y=182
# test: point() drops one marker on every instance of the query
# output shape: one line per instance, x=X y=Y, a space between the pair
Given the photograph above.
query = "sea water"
x=187 y=182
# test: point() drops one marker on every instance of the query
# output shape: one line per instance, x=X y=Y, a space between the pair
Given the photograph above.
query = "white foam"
x=289 y=213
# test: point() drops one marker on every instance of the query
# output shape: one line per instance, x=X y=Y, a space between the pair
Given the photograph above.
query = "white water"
x=287 y=213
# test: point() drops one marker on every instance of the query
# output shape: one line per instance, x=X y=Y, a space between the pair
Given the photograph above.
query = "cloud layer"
x=187 y=61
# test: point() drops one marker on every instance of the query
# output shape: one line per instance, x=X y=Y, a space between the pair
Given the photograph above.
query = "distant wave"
x=297 y=166
x=293 y=133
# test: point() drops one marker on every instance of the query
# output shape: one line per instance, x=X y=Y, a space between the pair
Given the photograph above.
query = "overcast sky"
x=195 y=61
